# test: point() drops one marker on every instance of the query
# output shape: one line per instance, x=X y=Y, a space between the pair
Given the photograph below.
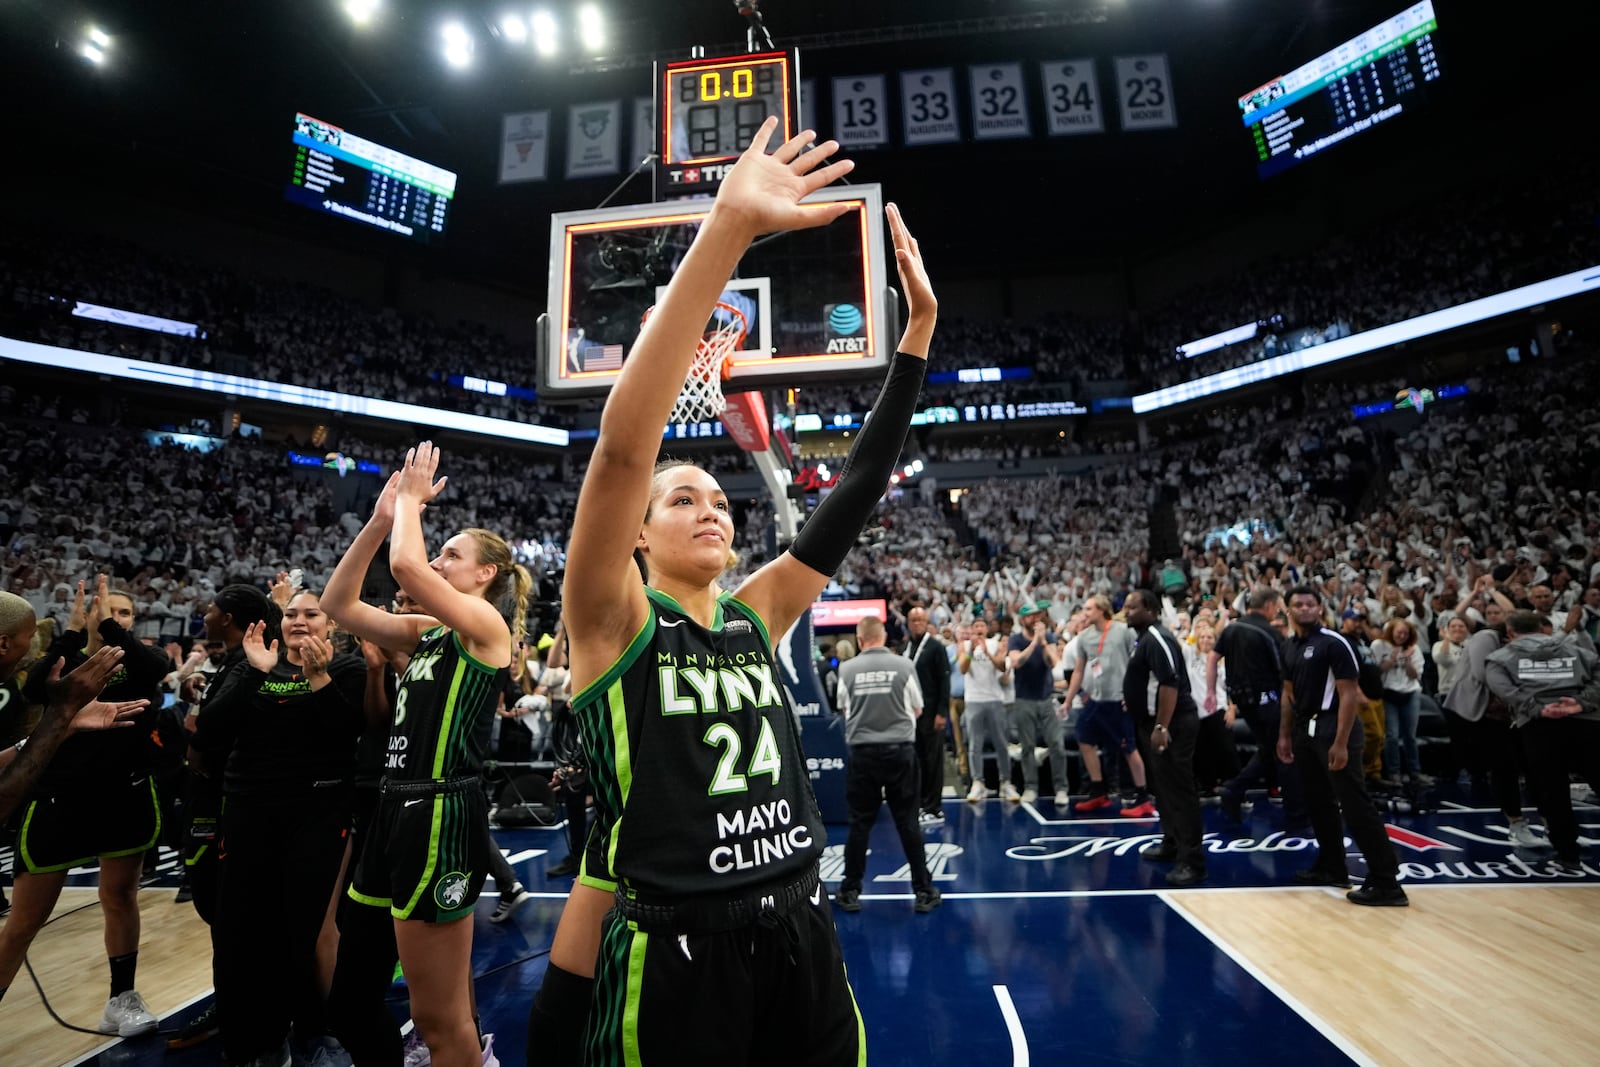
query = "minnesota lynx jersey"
x=443 y=711
x=700 y=784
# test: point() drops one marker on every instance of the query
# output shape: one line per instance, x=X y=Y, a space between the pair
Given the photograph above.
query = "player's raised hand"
x=416 y=483
x=762 y=192
x=922 y=308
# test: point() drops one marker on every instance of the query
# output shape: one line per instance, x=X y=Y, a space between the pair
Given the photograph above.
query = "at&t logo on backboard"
x=845 y=324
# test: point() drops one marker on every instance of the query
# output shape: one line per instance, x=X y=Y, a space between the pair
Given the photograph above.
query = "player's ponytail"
x=521 y=593
x=511 y=579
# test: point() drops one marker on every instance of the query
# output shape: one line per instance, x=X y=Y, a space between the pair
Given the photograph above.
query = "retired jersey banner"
x=1144 y=92
x=594 y=139
x=644 y=130
x=524 y=147
x=999 y=105
x=928 y=106
x=1071 y=97
x=860 y=112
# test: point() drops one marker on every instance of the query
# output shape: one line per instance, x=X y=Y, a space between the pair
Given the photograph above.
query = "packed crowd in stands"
x=1471 y=244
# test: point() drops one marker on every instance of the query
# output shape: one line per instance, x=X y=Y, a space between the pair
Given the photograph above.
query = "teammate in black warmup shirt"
x=96 y=799
x=719 y=944
x=287 y=732
x=425 y=860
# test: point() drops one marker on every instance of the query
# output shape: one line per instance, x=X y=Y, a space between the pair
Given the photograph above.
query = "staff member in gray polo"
x=880 y=700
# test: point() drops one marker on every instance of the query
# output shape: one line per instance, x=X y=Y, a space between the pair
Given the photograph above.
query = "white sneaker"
x=1062 y=800
x=127 y=1015
x=489 y=1058
x=1030 y=795
x=510 y=902
x=1009 y=792
x=1522 y=835
x=329 y=1053
x=978 y=793
x=930 y=818
x=415 y=1050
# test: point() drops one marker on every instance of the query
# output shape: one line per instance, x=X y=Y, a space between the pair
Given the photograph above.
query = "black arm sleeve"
x=832 y=529
x=146 y=666
x=217 y=726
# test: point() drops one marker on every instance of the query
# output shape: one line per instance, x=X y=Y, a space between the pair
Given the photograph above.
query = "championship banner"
x=1071 y=97
x=860 y=112
x=1144 y=92
x=999 y=104
x=644 y=130
x=594 y=139
x=928 y=106
x=524 y=147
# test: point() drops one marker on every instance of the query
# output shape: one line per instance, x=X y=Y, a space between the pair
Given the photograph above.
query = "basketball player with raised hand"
x=425 y=860
x=707 y=835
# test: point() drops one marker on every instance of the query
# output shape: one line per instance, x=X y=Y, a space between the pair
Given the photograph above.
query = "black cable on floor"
x=46 y=1002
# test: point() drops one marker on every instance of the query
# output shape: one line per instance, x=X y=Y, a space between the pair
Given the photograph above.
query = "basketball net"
x=702 y=398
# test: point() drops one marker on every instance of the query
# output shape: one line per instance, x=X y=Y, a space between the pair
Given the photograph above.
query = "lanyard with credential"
x=912 y=655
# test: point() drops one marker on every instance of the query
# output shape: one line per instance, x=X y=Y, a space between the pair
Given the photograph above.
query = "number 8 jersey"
x=699 y=781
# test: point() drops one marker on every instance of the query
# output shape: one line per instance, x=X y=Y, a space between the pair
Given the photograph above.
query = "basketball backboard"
x=816 y=301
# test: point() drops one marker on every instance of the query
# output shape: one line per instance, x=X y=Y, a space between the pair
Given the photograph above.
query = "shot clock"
x=708 y=109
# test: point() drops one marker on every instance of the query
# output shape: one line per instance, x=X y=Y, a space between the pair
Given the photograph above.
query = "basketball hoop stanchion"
x=702 y=398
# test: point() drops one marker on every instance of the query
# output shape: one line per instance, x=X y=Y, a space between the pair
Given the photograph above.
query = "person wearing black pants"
x=294 y=719
x=881 y=700
x=933 y=674
x=1249 y=647
x=1320 y=733
x=1167 y=727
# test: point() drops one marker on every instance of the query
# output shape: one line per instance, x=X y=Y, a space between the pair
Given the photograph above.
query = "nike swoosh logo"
x=408 y=803
x=683 y=943
x=816 y=895
x=670 y=625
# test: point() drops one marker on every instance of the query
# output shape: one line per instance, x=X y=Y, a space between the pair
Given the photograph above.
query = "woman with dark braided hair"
x=425 y=861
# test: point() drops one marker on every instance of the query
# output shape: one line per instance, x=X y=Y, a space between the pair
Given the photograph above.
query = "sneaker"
x=1159 y=854
x=927 y=900
x=1094 y=803
x=329 y=1053
x=1145 y=809
x=415 y=1050
x=127 y=1015
x=489 y=1058
x=1009 y=792
x=1184 y=875
x=1572 y=864
x=1372 y=895
x=978 y=793
x=565 y=869
x=930 y=818
x=1062 y=800
x=510 y=902
x=1030 y=796
x=201 y=1028
x=1313 y=876
x=185 y=891
x=1522 y=836
x=281 y=1056
x=848 y=899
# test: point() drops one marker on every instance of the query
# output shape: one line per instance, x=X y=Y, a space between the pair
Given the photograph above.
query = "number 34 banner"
x=928 y=105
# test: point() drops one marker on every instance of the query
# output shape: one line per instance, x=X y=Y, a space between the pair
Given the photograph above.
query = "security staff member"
x=1155 y=690
x=1255 y=672
x=933 y=675
x=881 y=701
x=1319 y=731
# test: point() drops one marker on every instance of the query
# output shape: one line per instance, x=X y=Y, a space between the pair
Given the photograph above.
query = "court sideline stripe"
x=1339 y=1041
x=1019 y=1040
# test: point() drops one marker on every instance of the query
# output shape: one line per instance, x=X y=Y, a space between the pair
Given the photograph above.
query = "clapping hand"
x=414 y=481
x=81 y=685
x=78 y=620
x=315 y=655
x=262 y=657
x=99 y=715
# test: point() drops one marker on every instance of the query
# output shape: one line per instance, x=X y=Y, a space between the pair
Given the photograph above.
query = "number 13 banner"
x=860 y=112
x=999 y=107
x=1144 y=89
x=928 y=105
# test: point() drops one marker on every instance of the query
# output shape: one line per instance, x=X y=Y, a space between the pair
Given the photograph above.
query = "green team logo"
x=451 y=891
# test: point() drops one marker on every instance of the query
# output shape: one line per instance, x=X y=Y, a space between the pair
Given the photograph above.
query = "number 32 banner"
x=1144 y=89
x=860 y=112
x=999 y=107
x=928 y=105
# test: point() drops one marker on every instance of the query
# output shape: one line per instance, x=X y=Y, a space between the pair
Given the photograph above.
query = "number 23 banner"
x=928 y=105
x=1144 y=90
x=999 y=105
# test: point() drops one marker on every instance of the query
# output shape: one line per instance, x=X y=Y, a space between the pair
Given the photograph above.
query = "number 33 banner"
x=928 y=104
x=999 y=108
x=860 y=112
x=1144 y=89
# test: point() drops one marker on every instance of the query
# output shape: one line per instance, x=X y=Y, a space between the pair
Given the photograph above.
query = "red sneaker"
x=1147 y=810
x=1093 y=803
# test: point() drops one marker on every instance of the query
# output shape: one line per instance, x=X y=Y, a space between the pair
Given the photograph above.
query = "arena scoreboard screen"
x=708 y=109
x=338 y=173
x=1368 y=80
